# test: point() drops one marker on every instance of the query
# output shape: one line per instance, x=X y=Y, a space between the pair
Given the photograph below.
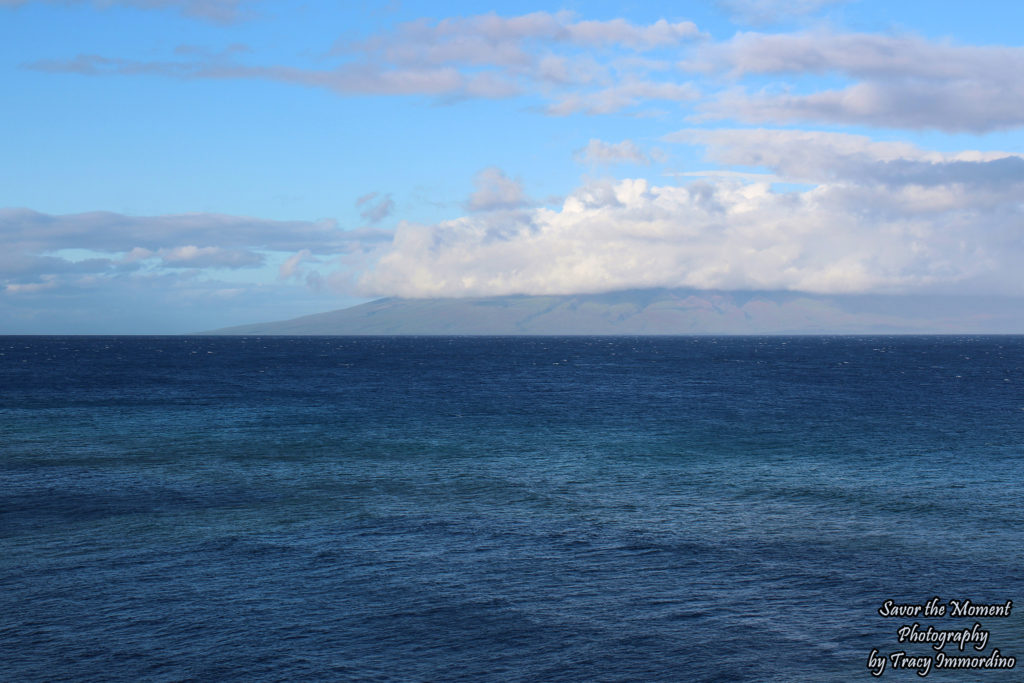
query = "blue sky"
x=177 y=165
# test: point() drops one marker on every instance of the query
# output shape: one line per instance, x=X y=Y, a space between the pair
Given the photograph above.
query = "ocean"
x=511 y=508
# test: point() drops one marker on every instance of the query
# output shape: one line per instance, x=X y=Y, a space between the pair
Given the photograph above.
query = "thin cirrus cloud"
x=577 y=65
x=772 y=11
x=191 y=256
x=347 y=79
x=47 y=251
x=819 y=156
x=879 y=217
x=603 y=67
x=494 y=39
x=113 y=232
x=217 y=11
x=375 y=208
x=599 y=152
x=624 y=95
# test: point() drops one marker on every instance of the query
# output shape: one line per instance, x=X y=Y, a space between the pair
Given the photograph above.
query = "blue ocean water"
x=503 y=509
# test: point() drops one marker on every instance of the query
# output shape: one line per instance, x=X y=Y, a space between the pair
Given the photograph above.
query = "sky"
x=169 y=166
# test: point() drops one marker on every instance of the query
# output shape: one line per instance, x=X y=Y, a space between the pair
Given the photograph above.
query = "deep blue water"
x=502 y=509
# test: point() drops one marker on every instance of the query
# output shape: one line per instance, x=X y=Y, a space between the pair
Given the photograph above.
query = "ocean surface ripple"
x=506 y=509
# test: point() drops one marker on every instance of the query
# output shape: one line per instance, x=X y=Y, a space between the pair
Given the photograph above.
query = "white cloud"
x=879 y=217
x=580 y=65
x=70 y=252
x=113 y=232
x=495 y=190
x=772 y=11
x=899 y=81
x=600 y=152
x=621 y=96
x=292 y=266
x=570 y=65
x=47 y=282
x=217 y=11
x=191 y=256
x=494 y=39
x=376 y=208
x=822 y=156
x=622 y=32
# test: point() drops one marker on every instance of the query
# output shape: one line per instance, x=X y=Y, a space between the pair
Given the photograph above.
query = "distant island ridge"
x=660 y=312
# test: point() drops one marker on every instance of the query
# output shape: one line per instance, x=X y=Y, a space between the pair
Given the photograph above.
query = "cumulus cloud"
x=600 y=152
x=495 y=190
x=898 y=81
x=878 y=218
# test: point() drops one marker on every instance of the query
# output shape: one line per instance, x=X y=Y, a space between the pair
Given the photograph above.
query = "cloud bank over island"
x=877 y=218
x=755 y=146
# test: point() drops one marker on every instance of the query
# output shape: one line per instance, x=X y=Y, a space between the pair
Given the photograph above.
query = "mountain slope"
x=659 y=311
